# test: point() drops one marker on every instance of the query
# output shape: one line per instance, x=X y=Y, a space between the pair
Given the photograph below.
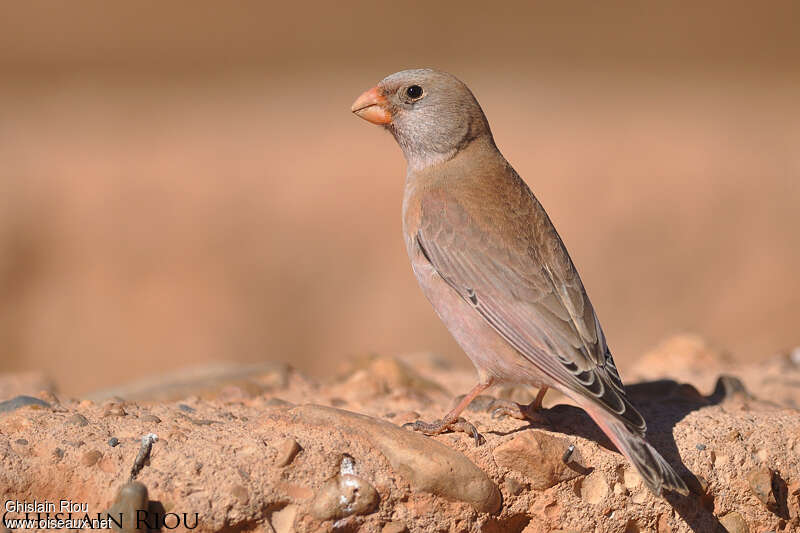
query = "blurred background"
x=183 y=182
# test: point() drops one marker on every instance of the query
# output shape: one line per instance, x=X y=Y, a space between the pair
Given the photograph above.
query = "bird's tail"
x=654 y=469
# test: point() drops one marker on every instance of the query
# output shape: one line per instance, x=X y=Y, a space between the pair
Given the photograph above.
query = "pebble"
x=426 y=464
x=278 y=402
x=22 y=442
x=114 y=410
x=377 y=375
x=22 y=401
x=700 y=447
x=241 y=494
x=113 y=442
x=58 y=453
x=282 y=520
x=480 y=404
x=512 y=486
x=287 y=450
x=131 y=498
x=760 y=481
x=91 y=457
x=734 y=523
x=202 y=421
x=728 y=387
x=150 y=418
x=185 y=408
x=77 y=420
x=394 y=527
x=344 y=495
x=592 y=489
x=663 y=524
x=537 y=456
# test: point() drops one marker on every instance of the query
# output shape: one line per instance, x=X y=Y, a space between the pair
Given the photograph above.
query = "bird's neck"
x=419 y=161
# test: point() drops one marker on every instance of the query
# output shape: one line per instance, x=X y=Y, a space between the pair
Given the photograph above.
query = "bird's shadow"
x=663 y=404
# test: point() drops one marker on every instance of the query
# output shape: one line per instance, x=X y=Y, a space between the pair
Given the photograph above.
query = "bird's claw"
x=439 y=426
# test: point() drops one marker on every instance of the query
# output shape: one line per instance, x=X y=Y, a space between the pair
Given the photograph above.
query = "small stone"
x=278 y=402
x=428 y=465
x=631 y=478
x=700 y=447
x=91 y=457
x=537 y=456
x=282 y=520
x=728 y=387
x=620 y=490
x=512 y=486
x=22 y=401
x=186 y=408
x=734 y=435
x=287 y=450
x=113 y=442
x=378 y=375
x=150 y=418
x=663 y=524
x=22 y=442
x=241 y=494
x=77 y=420
x=130 y=501
x=760 y=481
x=58 y=453
x=404 y=417
x=632 y=527
x=202 y=421
x=344 y=495
x=114 y=410
x=592 y=489
x=480 y=404
x=734 y=523
x=394 y=527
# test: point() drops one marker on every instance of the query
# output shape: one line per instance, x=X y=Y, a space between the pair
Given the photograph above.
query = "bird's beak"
x=372 y=107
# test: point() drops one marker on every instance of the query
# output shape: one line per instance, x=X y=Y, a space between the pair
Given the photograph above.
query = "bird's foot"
x=440 y=426
x=530 y=413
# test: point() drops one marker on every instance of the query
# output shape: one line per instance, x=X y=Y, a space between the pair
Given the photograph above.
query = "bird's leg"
x=452 y=421
x=528 y=412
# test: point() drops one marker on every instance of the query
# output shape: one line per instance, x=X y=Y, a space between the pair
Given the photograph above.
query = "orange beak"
x=371 y=106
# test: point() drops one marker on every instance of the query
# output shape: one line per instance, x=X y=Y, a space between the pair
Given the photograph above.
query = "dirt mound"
x=263 y=448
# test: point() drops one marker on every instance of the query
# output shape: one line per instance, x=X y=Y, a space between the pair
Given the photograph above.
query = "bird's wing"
x=502 y=254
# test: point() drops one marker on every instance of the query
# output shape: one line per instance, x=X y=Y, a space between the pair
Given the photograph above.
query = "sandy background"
x=185 y=183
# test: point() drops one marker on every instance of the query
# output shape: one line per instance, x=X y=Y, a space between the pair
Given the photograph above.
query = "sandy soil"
x=265 y=448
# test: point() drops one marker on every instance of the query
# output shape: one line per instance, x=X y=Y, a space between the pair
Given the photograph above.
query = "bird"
x=491 y=263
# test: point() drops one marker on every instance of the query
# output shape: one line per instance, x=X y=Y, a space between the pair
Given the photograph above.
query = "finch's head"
x=431 y=114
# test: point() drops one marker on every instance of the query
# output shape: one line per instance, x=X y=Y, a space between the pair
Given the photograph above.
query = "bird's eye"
x=414 y=92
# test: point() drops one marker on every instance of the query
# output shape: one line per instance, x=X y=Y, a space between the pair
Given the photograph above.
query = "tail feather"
x=654 y=469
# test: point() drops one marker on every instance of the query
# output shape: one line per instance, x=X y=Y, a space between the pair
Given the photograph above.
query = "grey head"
x=431 y=114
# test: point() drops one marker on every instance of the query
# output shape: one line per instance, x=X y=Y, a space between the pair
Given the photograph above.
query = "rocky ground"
x=263 y=448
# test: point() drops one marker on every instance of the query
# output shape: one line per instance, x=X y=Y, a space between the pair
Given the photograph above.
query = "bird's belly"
x=490 y=353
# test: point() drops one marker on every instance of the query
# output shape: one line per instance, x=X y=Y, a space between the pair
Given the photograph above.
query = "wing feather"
x=530 y=293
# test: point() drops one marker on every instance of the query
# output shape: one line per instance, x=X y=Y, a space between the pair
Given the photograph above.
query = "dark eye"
x=414 y=92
